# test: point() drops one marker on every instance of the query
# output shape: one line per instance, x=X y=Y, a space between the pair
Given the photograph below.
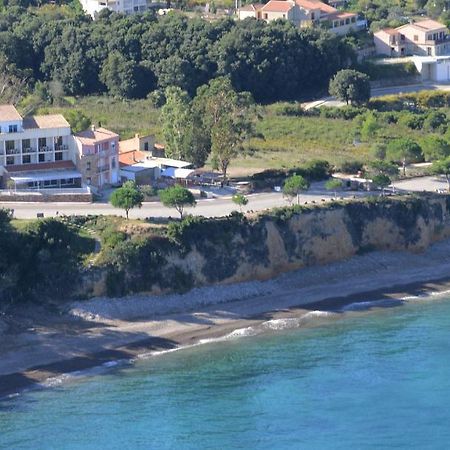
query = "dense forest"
x=131 y=57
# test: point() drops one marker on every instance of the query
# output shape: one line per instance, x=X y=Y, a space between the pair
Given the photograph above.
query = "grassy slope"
x=124 y=117
x=283 y=141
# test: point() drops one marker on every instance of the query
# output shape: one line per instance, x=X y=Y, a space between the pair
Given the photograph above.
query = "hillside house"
x=424 y=38
x=303 y=14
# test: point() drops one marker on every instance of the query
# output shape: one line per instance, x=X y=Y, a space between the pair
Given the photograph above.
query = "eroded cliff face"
x=234 y=249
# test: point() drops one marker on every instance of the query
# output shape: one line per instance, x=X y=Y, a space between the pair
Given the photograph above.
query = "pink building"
x=97 y=156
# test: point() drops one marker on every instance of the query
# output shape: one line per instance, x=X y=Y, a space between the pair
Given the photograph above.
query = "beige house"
x=138 y=143
x=424 y=38
x=97 y=156
x=303 y=14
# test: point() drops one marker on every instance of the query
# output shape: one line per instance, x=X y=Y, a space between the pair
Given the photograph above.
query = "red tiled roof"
x=429 y=24
x=41 y=166
x=251 y=7
x=341 y=15
x=278 y=6
x=9 y=112
x=94 y=135
x=131 y=157
x=316 y=4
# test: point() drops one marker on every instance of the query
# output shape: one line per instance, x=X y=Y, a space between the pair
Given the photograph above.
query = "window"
x=146 y=147
x=353 y=19
x=347 y=21
x=402 y=37
x=341 y=23
x=313 y=16
x=266 y=16
x=9 y=160
x=42 y=142
x=26 y=159
x=12 y=128
x=416 y=38
x=88 y=180
x=26 y=145
x=58 y=156
x=9 y=145
x=41 y=158
x=88 y=165
x=113 y=163
x=429 y=51
x=58 y=141
x=284 y=16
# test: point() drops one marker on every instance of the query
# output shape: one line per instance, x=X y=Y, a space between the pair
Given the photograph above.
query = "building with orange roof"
x=97 y=156
x=423 y=38
x=303 y=14
x=427 y=41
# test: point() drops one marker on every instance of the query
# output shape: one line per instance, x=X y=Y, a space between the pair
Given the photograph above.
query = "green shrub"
x=353 y=166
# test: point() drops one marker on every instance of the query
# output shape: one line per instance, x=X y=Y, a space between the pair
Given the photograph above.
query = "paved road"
x=212 y=207
x=209 y=208
x=379 y=92
x=420 y=184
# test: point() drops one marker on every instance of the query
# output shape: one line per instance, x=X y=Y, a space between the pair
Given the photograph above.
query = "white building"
x=40 y=152
x=93 y=7
x=36 y=151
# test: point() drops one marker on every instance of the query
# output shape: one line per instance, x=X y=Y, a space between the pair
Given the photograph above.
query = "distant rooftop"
x=9 y=112
x=43 y=122
x=94 y=135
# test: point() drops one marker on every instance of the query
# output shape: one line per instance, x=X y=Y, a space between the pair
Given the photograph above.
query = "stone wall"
x=38 y=197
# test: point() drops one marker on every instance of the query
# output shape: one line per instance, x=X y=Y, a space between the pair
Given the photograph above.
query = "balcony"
x=104 y=168
x=45 y=149
x=12 y=151
x=439 y=40
x=28 y=150
x=61 y=148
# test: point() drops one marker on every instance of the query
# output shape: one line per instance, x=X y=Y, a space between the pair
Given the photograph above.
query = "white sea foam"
x=361 y=306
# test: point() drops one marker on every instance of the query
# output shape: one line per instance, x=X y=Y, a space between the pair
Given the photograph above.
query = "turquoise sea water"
x=368 y=380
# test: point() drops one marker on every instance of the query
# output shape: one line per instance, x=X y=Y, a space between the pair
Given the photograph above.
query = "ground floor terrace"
x=59 y=175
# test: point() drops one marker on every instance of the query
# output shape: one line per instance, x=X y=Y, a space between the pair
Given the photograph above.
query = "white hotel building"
x=39 y=152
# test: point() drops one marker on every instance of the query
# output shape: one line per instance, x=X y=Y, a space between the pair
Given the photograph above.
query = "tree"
x=378 y=151
x=176 y=119
x=380 y=167
x=127 y=197
x=77 y=120
x=333 y=184
x=442 y=167
x=435 y=120
x=225 y=119
x=404 y=151
x=350 y=86
x=240 y=200
x=369 y=127
x=177 y=197
x=434 y=148
x=124 y=78
x=381 y=181
x=293 y=186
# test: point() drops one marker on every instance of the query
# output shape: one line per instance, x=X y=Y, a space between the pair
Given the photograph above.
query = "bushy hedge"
x=41 y=262
x=415 y=102
x=315 y=170
x=388 y=71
